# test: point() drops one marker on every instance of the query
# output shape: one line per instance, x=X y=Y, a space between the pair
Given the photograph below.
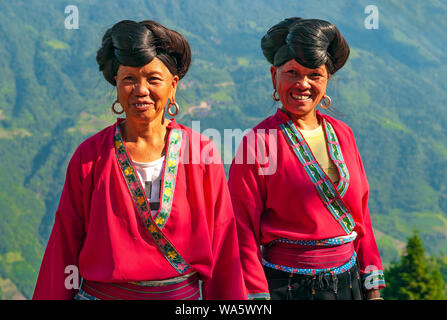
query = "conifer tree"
x=414 y=277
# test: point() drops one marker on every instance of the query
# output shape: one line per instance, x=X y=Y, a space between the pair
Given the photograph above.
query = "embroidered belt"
x=180 y=288
x=333 y=256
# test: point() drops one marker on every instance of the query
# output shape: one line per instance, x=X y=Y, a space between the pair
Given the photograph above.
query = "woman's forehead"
x=293 y=64
x=155 y=66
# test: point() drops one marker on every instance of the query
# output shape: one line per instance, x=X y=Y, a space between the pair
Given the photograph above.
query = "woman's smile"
x=142 y=106
x=300 y=96
x=300 y=89
x=144 y=91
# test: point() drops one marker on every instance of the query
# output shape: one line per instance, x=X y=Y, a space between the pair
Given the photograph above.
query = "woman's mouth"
x=142 y=106
x=300 y=97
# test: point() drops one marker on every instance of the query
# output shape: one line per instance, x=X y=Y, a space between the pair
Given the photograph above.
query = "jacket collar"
x=282 y=117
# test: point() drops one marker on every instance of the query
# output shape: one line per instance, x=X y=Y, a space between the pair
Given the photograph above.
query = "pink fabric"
x=308 y=257
x=97 y=227
x=185 y=290
x=284 y=202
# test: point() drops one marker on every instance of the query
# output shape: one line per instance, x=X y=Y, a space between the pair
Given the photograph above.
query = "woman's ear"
x=175 y=81
x=273 y=71
x=174 y=84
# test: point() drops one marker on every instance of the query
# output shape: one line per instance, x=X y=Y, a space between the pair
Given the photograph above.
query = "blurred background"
x=392 y=93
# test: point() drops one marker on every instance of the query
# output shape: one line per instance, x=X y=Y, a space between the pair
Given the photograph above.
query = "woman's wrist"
x=373 y=294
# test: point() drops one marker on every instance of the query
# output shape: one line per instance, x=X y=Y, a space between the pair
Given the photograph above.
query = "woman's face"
x=144 y=91
x=300 y=89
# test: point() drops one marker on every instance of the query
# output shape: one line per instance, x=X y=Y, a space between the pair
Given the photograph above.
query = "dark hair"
x=311 y=42
x=135 y=44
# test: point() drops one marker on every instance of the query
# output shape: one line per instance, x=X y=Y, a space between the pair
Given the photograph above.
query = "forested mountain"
x=392 y=92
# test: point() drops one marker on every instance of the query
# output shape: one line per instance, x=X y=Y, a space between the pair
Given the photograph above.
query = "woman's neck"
x=149 y=131
x=145 y=141
x=308 y=121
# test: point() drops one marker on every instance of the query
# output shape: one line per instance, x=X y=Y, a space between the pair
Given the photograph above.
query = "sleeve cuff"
x=259 y=296
x=373 y=280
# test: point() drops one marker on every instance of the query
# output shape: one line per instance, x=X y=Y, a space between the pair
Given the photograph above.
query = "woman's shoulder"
x=338 y=125
x=271 y=122
x=193 y=133
x=97 y=144
x=100 y=137
x=201 y=149
x=343 y=131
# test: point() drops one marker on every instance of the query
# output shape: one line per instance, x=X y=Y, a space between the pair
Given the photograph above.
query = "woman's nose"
x=140 y=89
x=303 y=83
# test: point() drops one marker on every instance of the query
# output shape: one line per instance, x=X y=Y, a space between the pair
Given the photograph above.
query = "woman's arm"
x=226 y=282
x=247 y=189
x=57 y=279
x=370 y=263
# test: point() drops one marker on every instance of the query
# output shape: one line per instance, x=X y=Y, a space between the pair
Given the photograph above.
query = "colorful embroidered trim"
x=165 y=282
x=188 y=289
x=324 y=242
x=169 y=177
x=337 y=157
x=328 y=193
x=259 y=296
x=374 y=280
x=311 y=272
x=140 y=199
x=82 y=295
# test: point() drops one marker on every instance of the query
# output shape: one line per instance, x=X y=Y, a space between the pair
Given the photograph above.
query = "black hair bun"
x=135 y=44
x=311 y=42
x=275 y=38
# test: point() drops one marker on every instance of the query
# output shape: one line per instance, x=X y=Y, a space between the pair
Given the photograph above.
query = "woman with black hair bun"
x=304 y=227
x=145 y=212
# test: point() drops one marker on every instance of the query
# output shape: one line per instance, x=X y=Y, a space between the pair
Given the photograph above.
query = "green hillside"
x=392 y=93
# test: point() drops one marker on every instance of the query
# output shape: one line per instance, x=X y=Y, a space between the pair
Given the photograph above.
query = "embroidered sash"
x=180 y=288
x=336 y=241
x=330 y=195
x=311 y=257
x=154 y=224
x=311 y=271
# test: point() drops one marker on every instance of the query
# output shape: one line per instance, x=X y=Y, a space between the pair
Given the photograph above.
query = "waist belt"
x=335 y=255
x=179 y=288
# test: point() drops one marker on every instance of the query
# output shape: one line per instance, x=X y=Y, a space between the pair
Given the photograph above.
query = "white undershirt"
x=150 y=177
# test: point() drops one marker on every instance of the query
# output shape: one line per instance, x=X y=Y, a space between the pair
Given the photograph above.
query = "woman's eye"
x=315 y=75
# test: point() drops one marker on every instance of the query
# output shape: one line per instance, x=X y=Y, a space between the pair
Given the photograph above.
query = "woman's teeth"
x=142 y=105
x=297 y=97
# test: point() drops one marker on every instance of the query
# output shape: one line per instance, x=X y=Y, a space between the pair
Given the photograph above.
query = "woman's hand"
x=373 y=294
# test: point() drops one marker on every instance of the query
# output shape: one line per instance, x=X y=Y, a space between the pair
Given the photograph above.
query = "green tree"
x=415 y=277
x=441 y=262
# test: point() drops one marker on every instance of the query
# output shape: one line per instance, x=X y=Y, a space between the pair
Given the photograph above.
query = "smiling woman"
x=305 y=231
x=136 y=220
x=143 y=91
x=300 y=89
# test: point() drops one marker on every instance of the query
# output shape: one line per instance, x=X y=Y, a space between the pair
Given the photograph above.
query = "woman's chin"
x=298 y=109
x=142 y=117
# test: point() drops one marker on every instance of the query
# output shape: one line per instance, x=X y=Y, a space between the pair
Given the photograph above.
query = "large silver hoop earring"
x=275 y=95
x=113 y=108
x=173 y=113
x=327 y=102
